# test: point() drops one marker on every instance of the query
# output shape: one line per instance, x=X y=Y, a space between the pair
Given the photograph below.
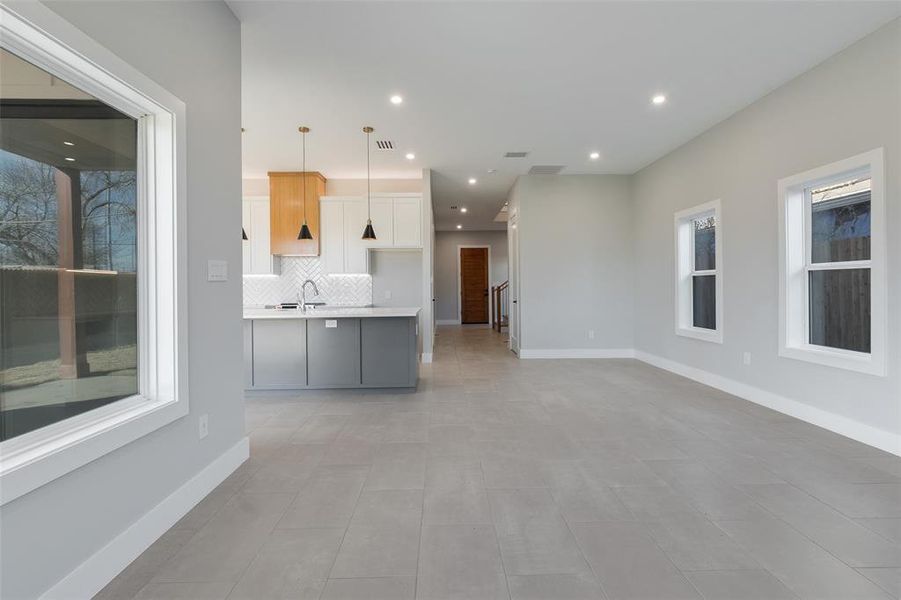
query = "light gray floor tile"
x=888 y=579
x=319 y=429
x=890 y=529
x=804 y=567
x=851 y=542
x=293 y=563
x=628 y=563
x=222 y=549
x=328 y=499
x=139 y=573
x=696 y=544
x=398 y=466
x=740 y=585
x=379 y=588
x=460 y=562
x=630 y=458
x=534 y=539
x=876 y=500
x=185 y=591
x=556 y=587
x=378 y=551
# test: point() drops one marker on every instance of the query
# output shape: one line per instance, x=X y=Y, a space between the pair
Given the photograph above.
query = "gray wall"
x=847 y=105
x=194 y=52
x=575 y=249
x=398 y=272
x=446 y=277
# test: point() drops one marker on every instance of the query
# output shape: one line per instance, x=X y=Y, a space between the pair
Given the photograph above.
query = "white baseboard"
x=93 y=574
x=426 y=358
x=866 y=434
x=447 y=322
x=577 y=353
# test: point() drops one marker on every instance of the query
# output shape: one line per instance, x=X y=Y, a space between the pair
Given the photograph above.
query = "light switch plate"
x=217 y=270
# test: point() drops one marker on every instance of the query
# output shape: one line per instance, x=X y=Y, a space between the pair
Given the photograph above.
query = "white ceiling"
x=482 y=78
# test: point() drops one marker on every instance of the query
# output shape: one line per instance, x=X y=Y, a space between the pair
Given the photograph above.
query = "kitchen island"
x=330 y=347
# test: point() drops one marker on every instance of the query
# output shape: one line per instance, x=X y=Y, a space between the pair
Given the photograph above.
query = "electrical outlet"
x=591 y=334
x=747 y=358
x=387 y=294
x=203 y=426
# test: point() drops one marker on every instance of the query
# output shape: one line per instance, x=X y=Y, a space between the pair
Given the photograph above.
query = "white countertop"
x=331 y=312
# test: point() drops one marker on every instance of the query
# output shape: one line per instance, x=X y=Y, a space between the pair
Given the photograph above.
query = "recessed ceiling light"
x=459 y=227
x=410 y=156
x=463 y=209
x=658 y=99
x=472 y=181
x=70 y=159
x=395 y=99
x=67 y=143
x=594 y=155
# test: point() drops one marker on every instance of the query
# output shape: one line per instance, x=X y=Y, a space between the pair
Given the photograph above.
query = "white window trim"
x=794 y=248
x=33 y=459
x=684 y=267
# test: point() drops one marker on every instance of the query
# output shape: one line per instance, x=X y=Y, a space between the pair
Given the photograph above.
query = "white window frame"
x=795 y=264
x=685 y=271
x=33 y=459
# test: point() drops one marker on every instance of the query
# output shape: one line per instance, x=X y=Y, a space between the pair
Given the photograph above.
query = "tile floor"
x=536 y=480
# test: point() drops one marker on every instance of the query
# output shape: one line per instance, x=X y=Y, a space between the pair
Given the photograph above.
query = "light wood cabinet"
x=286 y=198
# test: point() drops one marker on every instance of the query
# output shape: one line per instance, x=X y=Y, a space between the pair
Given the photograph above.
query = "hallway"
x=501 y=478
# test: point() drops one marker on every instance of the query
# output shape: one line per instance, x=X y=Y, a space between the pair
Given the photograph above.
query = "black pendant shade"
x=243 y=234
x=304 y=232
x=369 y=232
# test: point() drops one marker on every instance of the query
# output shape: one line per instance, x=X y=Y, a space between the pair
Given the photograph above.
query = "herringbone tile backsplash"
x=336 y=290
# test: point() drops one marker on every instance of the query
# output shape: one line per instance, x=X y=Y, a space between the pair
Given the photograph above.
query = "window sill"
x=839 y=359
x=707 y=335
x=37 y=458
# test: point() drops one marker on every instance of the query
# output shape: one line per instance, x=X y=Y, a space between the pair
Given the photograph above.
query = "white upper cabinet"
x=396 y=218
x=382 y=222
x=257 y=259
x=356 y=257
x=407 y=228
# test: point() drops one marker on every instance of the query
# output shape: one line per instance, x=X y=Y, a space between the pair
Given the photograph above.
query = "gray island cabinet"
x=330 y=348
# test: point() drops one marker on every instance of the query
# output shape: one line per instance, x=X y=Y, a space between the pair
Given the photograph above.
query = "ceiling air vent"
x=516 y=154
x=546 y=169
x=384 y=144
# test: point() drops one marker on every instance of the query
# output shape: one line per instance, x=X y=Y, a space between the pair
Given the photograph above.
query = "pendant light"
x=369 y=232
x=243 y=233
x=305 y=233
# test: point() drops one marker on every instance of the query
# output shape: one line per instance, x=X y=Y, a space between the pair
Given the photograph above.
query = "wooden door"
x=474 y=285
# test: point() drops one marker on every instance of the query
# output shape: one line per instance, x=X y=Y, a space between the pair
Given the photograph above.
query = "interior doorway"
x=473 y=268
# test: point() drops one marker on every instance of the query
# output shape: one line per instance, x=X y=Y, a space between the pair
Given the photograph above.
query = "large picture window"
x=699 y=302
x=68 y=245
x=92 y=270
x=832 y=253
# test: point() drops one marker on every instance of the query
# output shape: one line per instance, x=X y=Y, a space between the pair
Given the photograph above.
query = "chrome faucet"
x=303 y=294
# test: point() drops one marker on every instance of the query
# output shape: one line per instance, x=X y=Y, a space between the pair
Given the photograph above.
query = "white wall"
x=575 y=250
x=194 y=52
x=845 y=106
x=398 y=273
x=447 y=290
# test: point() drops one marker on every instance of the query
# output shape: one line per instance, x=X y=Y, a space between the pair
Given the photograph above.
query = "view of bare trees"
x=28 y=215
